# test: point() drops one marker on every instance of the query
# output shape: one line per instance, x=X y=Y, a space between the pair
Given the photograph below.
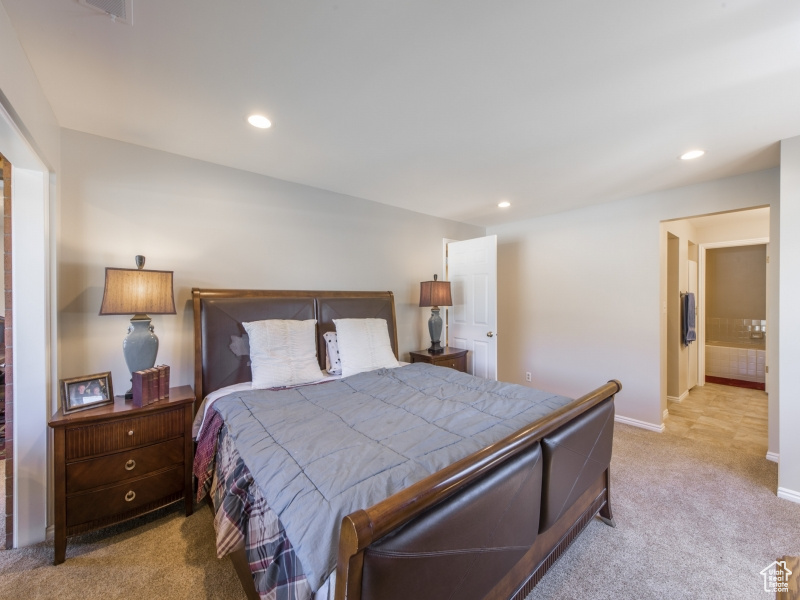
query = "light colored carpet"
x=162 y=556
x=693 y=521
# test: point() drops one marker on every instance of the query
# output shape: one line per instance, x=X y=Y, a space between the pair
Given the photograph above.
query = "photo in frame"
x=89 y=391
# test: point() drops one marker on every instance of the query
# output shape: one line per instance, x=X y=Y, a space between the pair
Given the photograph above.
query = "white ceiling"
x=444 y=107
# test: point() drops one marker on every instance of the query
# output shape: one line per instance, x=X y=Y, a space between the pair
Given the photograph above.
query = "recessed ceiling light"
x=504 y=204
x=259 y=121
x=692 y=154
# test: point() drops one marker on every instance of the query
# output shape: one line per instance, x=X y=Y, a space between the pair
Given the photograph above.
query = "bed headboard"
x=221 y=351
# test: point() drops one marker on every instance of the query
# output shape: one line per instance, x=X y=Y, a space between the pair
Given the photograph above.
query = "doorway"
x=697 y=405
x=735 y=284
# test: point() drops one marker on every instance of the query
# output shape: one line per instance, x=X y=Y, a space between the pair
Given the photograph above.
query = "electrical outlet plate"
x=527 y=375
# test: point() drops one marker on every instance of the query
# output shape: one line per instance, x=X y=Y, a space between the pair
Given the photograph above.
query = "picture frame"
x=88 y=391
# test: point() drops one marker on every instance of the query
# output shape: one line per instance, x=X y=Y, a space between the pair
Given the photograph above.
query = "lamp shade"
x=435 y=293
x=136 y=291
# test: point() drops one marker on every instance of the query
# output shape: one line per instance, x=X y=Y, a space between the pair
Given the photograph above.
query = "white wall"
x=755 y=226
x=220 y=227
x=580 y=292
x=24 y=100
x=789 y=334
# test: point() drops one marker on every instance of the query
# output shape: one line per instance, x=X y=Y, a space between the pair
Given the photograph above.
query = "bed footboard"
x=457 y=548
x=575 y=456
x=394 y=531
x=551 y=544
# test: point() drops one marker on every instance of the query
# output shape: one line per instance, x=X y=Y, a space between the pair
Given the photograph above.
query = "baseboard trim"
x=665 y=414
x=750 y=385
x=678 y=399
x=790 y=495
x=773 y=456
x=640 y=424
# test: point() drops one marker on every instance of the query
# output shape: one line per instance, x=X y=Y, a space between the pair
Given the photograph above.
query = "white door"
x=692 y=372
x=472 y=271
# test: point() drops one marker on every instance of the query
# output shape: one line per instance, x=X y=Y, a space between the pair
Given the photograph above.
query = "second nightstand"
x=453 y=358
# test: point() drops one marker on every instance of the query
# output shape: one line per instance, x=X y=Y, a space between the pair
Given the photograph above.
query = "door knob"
x=490 y=334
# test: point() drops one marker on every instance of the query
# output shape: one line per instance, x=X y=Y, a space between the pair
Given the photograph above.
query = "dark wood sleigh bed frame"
x=488 y=526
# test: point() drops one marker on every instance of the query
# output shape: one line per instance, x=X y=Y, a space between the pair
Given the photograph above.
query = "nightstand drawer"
x=459 y=364
x=103 y=438
x=452 y=358
x=127 y=496
x=130 y=464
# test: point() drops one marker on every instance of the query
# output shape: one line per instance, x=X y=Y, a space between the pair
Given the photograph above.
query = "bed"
x=487 y=525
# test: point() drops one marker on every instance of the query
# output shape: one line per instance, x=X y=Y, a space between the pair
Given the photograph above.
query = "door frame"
x=446 y=277
x=701 y=300
x=696 y=347
x=34 y=375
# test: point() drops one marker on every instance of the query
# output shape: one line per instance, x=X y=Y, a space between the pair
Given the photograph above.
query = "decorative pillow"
x=332 y=362
x=283 y=352
x=364 y=345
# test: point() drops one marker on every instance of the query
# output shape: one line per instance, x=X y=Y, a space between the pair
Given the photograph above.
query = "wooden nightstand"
x=116 y=462
x=454 y=358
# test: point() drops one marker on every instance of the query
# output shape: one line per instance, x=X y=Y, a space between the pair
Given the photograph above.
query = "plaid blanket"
x=203 y=466
x=243 y=518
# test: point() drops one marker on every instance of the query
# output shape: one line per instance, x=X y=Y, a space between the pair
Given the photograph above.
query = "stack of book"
x=150 y=385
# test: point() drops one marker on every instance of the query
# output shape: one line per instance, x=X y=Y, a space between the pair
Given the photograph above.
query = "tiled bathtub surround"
x=745 y=363
x=724 y=330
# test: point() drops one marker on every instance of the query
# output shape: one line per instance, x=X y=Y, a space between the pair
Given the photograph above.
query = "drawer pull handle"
x=130 y=496
x=130 y=432
x=130 y=465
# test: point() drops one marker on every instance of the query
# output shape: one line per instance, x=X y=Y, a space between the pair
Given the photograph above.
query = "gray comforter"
x=319 y=452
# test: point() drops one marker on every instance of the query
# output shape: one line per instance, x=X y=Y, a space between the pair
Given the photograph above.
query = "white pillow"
x=364 y=345
x=332 y=362
x=283 y=352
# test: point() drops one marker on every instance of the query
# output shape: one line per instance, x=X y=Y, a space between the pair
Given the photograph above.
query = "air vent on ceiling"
x=118 y=10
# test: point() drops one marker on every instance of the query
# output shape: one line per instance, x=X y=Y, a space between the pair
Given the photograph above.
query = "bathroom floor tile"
x=722 y=415
x=690 y=412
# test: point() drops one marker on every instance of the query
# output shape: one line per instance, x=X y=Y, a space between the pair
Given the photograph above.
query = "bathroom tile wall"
x=735 y=330
x=746 y=364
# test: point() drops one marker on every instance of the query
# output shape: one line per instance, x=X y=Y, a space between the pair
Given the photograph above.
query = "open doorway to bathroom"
x=724 y=258
x=736 y=315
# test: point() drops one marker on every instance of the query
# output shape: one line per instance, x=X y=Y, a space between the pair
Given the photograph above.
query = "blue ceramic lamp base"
x=140 y=347
x=435 y=329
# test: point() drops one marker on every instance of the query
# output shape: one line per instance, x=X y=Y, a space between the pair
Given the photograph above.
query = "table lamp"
x=435 y=294
x=138 y=292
